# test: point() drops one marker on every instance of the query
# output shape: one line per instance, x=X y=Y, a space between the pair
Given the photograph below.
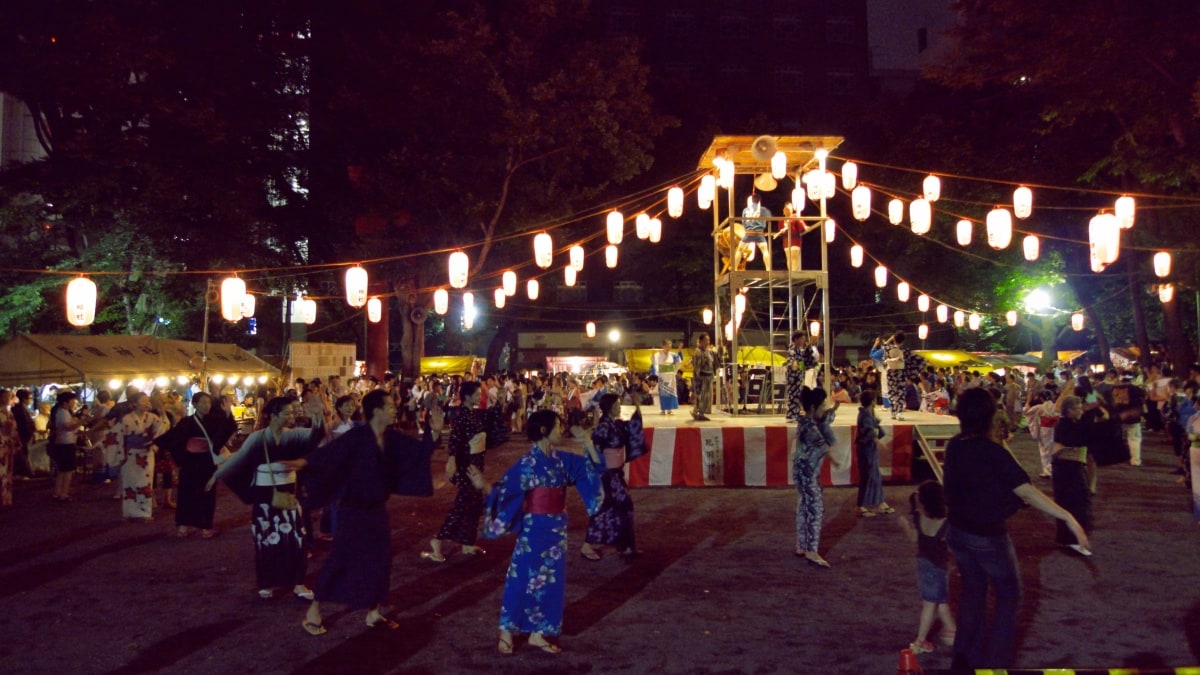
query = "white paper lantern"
x=942 y=313
x=881 y=276
x=616 y=227
x=860 y=202
x=707 y=316
x=1011 y=317
x=1104 y=241
x=1125 y=207
x=729 y=331
x=590 y=329
x=375 y=309
x=814 y=328
x=812 y=181
x=856 y=256
x=739 y=303
x=1166 y=293
x=798 y=200
x=973 y=321
x=543 y=250
x=569 y=275
x=779 y=165
x=655 y=230
x=920 y=215
x=828 y=185
x=233 y=291
x=932 y=187
x=508 y=281
x=641 y=225
x=999 y=228
x=964 y=230
x=1032 y=247
x=532 y=288
x=441 y=301
x=1162 y=264
x=960 y=318
x=468 y=299
x=922 y=303
x=902 y=291
x=849 y=175
x=499 y=298
x=1022 y=202
x=725 y=173
x=248 y=306
x=922 y=331
x=706 y=192
x=1077 y=321
x=577 y=254
x=81 y=302
x=459 y=266
x=308 y=310
x=356 y=286
x=675 y=202
x=895 y=212
x=610 y=256
x=830 y=230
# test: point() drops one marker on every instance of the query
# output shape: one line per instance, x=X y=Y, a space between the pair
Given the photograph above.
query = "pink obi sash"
x=197 y=445
x=614 y=458
x=545 y=501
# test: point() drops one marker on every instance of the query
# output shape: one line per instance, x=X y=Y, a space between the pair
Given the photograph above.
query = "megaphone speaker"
x=764 y=148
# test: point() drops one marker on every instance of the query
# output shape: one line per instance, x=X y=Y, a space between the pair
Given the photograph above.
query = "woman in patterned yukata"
x=257 y=475
x=132 y=437
x=196 y=444
x=617 y=442
x=665 y=364
x=466 y=447
x=814 y=438
x=800 y=357
x=530 y=501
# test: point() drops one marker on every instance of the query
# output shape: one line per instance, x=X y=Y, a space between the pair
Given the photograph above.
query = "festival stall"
x=449 y=365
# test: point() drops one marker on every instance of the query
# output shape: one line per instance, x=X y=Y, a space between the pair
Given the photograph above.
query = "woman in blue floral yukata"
x=530 y=501
x=618 y=442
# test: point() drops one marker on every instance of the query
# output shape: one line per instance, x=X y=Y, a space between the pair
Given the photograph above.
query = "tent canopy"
x=29 y=359
x=449 y=365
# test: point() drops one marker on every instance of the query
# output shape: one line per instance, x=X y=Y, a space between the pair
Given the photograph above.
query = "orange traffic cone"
x=908 y=663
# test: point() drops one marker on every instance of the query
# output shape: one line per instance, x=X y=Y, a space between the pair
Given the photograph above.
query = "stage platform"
x=749 y=450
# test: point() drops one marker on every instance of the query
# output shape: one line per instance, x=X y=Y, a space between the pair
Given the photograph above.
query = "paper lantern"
x=468 y=299
x=375 y=309
x=459 y=265
x=532 y=288
x=932 y=187
x=1162 y=264
x=590 y=329
x=729 y=331
x=922 y=303
x=942 y=313
x=779 y=165
x=828 y=185
x=675 y=202
x=508 y=281
x=1077 y=321
x=902 y=291
x=307 y=309
x=1124 y=208
x=960 y=318
x=441 y=301
x=577 y=254
x=248 y=306
x=812 y=181
x=468 y=320
x=881 y=276
x=860 y=202
x=81 y=302
x=963 y=230
x=725 y=173
x=830 y=230
x=856 y=256
x=641 y=224
x=1011 y=317
x=616 y=227
x=610 y=256
x=356 y=285
x=798 y=201
x=973 y=321
x=1022 y=202
x=814 y=328
x=1104 y=241
x=739 y=303
x=1166 y=293
x=849 y=175
x=569 y=275
x=655 y=231
x=1032 y=247
x=706 y=192
x=999 y=228
x=499 y=298
x=543 y=250
x=895 y=212
x=920 y=215
x=707 y=316
x=922 y=331
x=233 y=290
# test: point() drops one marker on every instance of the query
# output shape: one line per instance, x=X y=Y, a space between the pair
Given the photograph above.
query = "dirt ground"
x=718 y=590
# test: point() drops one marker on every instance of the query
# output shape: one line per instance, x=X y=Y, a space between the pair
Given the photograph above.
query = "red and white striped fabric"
x=752 y=456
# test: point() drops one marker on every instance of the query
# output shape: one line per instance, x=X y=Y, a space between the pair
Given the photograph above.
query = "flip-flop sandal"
x=593 y=556
x=474 y=550
x=505 y=646
x=547 y=646
x=433 y=557
x=314 y=628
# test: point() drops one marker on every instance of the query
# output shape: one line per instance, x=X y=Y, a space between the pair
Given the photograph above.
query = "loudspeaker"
x=764 y=148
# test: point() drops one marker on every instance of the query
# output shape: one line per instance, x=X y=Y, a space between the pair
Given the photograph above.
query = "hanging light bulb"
x=856 y=256
x=1077 y=321
x=576 y=253
x=922 y=303
x=356 y=286
x=932 y=187
x=543 y=250
x=922 y=331
x=248 y=306
x=459 y=264
x=1125 y=208
x=1011 y=317
x=1032 y=247
x=1166 y=293
x=960 y=318
x=1022 y=202
x=233 y=290
x=531 y=289
x=1162 y=264
x=81 y=302
x=1104 y=241
x=895 y=212
x=814 y=328
x=973 y=321
x=943 y=313
x=375 y=309
x=706 y=192
x=999 y=228
x=569 y=275
x=655 y=231
x=964 y=229
x=902 y=291
x=849 y=175
x=499 y=298
x=641 y=225
x=881 y=276
x=616 y=227
x=830 y=230
x=610 y=256
x=779 y=165
x=860 y=202
x=441 y=301
x=798 y=200
x=589 y=329
x=508 y=281
x=920 y=215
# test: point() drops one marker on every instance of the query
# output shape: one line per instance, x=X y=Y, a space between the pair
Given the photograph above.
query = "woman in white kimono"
x=130 y=440
x=665 y=364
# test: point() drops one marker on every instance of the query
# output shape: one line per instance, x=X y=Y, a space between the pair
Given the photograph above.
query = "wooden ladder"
x=932 y=446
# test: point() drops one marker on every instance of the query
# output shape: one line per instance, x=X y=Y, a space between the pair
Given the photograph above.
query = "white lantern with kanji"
x=1162 y=264
x=610 y=256
x=895 y=211
x=569 y=275
x=779 y=165
x=1032 y=247
x=356 y=286
x=531 y=289
x=932 y=188
x=81 y=302
x=1104 y=241
x=963 y=230
x=655 y=230
x=508 y=281
x=233 y=291
x=849 y=175
x=589 y=329
x=576 y=254
x=920 y=215
x=798 y=200
x=828 y=185
x=1022 y=202
x=616 y=227
x=375 y=309
x=543 y=250
x=922 y=303
x=902 y=291
x=856 y=256
x=881 y=276
x=674 y=202
x=860 y=202
x=641 y=225
x=706 y=192
x=942 y=313
x=459 y=265
x=1077 y=321
x=1125 y=207
x=812 y=181
x=830 y=230
x=999 y=228
x=441 y=301
x=248 y=306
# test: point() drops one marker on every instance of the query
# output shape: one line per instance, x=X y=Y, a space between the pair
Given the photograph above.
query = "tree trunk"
x=413 y=309
x=1140 y=337
x=1177 y=342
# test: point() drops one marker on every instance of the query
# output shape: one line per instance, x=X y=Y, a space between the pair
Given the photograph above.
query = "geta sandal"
x=433 y=557
x=314 y=628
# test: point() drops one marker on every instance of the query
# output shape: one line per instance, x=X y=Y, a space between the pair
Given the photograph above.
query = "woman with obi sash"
x=258 y=475
x=617 y=443
x=530 y=501
x=197 y=445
